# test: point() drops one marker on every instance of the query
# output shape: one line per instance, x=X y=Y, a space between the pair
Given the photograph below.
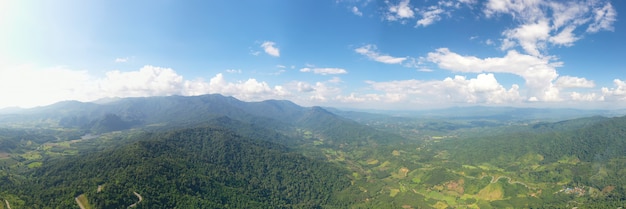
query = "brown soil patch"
x=4 y=155
x=608 y=189
x=403 y=172
x=456 y=186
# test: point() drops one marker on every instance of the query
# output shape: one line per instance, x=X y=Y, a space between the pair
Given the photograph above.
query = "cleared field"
x=82 y=202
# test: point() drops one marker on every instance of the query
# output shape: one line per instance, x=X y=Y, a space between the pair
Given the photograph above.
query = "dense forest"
x=213 y=151
x=193 y=168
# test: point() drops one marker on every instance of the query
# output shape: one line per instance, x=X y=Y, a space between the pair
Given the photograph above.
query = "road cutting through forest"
x=140 y=199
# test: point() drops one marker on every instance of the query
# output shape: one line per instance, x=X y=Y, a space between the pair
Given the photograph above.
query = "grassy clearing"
x=35 y=165
x=81 y=200
x=32 y=155
x=372 y=162
x=394 y=192
x=491 y=192
x=440 y=205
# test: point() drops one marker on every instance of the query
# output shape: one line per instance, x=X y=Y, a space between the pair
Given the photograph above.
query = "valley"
x=213 y=151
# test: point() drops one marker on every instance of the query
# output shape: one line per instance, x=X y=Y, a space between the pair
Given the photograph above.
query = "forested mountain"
x=594 y=139
x=213 y=151
x=191 y=168
x=181 y=111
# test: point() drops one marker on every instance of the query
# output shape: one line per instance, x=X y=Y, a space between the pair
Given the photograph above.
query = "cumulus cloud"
x=27 y=86
x=313 y=94
x=482 y=89
x=588 y=97
x=270 y=49
x=538 y=72
x=617 y=93
x=550 y=22
x=250 y=89
x=324 y=71
x=401 y=10
x=530 y=36
x=148 y=81
x=304 y=87
x=370 y=52
x=573 y=82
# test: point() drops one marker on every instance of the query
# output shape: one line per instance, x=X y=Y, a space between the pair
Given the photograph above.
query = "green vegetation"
x=217 y=152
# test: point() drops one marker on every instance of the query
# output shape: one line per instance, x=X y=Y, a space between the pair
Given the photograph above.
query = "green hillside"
x=212 y=151
x=193 y=168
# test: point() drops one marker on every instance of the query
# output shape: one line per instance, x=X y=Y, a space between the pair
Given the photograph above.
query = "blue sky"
x=353 y=53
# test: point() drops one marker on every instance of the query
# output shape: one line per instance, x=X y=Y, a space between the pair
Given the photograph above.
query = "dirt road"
x=140 y=199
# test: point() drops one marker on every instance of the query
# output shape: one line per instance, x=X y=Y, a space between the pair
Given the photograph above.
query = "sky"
x=364 y=54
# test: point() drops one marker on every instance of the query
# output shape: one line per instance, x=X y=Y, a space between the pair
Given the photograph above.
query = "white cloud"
x=323 y=92
x=121 y=60
x=617 y=93
x=255 y=53
x=148 y=81
x=603 y=18
x=402 y=10
x=550 y=22
x=566 y=37
x=576 y=96
x=233 y=71
x=573 y=82
x=355 y=10
x=270 y=49
x=324 y=71
x=335 y=80
x=482 y=89
x=27 y=86
x=537 y=72
x=304 y=87
x=530 y=36
x=250 y=89
x=430 y=16
x=370 y=52
x=278 y=72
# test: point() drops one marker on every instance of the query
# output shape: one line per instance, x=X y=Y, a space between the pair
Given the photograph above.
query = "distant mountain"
x=486 y=112
x=183 y=111
x=9 y=110
x=191 y=168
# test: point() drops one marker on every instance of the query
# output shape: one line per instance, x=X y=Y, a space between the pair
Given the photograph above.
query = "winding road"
x=8 y=205
x=140 y=199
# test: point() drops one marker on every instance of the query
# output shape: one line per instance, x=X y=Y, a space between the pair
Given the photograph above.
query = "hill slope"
x=192 y=168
